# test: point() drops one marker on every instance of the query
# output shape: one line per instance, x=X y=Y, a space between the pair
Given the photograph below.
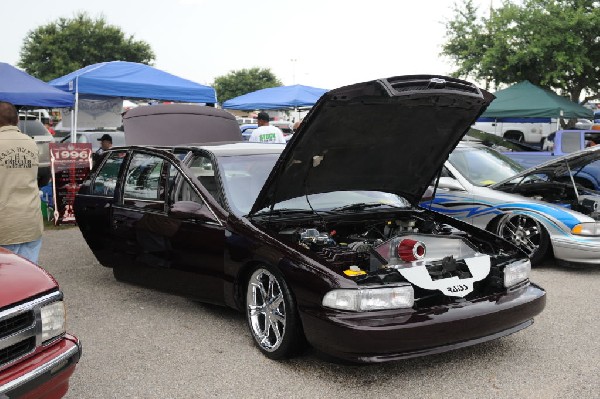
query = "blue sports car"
x=543 y=209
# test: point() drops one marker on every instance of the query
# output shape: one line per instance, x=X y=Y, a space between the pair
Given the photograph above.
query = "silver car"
x=541 y=210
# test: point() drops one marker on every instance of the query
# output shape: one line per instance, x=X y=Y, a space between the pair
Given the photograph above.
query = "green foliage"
x=244 y=81
x=552 y=43
x=63 y=46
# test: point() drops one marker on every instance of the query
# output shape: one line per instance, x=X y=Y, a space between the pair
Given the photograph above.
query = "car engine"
x=392 y=250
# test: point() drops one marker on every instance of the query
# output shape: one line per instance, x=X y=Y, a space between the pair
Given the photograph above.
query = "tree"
x=551 y=43
x=244 y=81
x=63 y=46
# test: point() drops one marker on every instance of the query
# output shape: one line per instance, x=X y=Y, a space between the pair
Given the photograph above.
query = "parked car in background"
x=118 y=138
x=556 y=145
x=528 y=130
x=321 y=240
x=247 y=130
x=541 y=210
x=38 y=132
x=37 y=356
x=245 y=120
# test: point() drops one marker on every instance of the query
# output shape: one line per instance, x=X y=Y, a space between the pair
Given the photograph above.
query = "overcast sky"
x=322 y=43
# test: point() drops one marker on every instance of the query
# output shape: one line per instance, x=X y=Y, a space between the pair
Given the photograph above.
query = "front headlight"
x=587 y=229
x=516 y=272
x=366 y=299
x=53 y=320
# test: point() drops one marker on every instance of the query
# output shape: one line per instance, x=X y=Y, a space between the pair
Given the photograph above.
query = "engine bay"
x=390 y=248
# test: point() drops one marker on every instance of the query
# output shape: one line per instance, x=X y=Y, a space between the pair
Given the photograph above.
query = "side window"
x=202 y=167
x=571 y=142
x=180 y=189
x=106 y=179
x=144 y=178
x=184 y=201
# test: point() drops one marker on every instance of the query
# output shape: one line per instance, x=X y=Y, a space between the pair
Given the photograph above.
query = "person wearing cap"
x=266 y=133
x=105 y=145
x=21 y=224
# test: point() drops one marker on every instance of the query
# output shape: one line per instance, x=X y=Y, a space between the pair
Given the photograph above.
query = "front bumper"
x=400 y=334
x=45 y=375
x=584 y=251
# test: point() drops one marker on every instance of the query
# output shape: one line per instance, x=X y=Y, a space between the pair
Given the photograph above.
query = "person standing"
x=21 y=224
x=105 y=145
x=266 y=133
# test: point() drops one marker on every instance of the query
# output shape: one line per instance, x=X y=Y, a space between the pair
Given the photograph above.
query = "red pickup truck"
x=37 y=356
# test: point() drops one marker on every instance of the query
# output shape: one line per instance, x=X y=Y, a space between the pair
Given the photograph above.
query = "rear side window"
x=144 y=178
x=106 y=178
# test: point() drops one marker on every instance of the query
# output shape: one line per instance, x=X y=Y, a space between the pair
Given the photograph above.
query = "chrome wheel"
x=526 y=233
x=265 y=306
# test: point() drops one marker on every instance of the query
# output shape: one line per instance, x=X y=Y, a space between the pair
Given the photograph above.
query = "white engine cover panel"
x=417 y=274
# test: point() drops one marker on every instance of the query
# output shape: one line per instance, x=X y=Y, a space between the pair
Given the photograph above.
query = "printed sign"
x=95 y=112
x=70 y=165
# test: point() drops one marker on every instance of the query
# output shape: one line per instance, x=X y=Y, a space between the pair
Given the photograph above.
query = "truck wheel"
x=526 y=233
x=272 y=314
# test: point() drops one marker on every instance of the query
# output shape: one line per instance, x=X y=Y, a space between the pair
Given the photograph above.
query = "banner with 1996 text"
x=70 y=164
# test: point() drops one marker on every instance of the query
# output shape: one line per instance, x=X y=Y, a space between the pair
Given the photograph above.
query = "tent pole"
x=76 y=111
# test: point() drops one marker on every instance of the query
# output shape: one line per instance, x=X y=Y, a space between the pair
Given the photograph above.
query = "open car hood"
x=389 y=135
x=559 y=167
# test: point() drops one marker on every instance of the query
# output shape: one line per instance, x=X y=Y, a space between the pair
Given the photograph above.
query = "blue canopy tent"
x=132 y=80
x=19 y=88
x=282 y=97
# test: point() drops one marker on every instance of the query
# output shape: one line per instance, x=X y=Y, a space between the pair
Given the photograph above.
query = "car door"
x=94 y=204
x=199 y=243
x=178 y=251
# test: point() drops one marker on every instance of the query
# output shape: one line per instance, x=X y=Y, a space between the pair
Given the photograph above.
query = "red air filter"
x=411 y=250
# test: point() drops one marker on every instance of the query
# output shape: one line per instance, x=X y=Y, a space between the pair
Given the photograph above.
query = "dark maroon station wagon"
x=321 y=240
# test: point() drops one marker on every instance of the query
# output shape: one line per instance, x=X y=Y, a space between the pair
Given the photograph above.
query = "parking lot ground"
x=141 y=343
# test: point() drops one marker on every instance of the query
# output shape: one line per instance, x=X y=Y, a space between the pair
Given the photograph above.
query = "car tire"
x=272 y=314
x=526 y=233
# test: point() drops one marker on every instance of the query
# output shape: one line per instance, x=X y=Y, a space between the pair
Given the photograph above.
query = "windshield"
x=483 y=166
x=244 y=176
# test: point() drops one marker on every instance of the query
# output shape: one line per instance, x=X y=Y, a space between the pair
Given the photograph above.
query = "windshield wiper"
x=359 y=206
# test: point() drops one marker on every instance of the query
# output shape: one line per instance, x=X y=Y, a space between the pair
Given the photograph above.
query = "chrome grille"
x=17 y=350
x=11 y=325
x=21 y=329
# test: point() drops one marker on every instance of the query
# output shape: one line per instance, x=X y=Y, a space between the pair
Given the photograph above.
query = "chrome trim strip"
x=57 y=295
x=19 y=336
x=32 y=375
x=144 y=200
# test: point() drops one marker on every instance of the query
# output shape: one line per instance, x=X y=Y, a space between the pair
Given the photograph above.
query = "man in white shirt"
x=265 y=133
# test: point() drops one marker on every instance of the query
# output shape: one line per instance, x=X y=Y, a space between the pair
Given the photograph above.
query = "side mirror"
x=191 y=210
x=450 y=183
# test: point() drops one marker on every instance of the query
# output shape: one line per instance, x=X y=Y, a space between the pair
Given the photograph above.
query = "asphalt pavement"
x=141 y=343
